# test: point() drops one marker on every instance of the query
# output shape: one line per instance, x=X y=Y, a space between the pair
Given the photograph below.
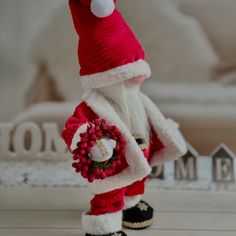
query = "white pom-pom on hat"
x=102 y=8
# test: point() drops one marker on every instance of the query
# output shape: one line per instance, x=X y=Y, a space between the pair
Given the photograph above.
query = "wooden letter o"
x=35 y=139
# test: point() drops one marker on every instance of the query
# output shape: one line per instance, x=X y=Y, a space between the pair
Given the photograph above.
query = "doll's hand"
x=103 y=149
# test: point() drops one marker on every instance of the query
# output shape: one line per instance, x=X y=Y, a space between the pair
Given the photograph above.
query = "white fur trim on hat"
x=102 y=8
x=102 y=224
x=132 y=201
x=118 y=74
x=76 y=138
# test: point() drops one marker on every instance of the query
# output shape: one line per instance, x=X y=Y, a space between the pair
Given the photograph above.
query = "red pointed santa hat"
x=108 y=50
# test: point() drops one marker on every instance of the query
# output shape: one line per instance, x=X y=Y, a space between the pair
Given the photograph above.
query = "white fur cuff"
x=102 y=224
x=76 y=138
x=132 y=201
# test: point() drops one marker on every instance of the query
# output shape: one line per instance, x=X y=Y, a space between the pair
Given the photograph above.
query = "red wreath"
x=84 y=164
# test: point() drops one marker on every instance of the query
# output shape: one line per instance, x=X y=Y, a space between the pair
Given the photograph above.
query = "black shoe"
x=138 y=217
x=120 y=233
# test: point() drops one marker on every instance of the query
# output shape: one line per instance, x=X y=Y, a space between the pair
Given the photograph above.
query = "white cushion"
x=56 y=44
x=182 y=93
x=46 y=112
x=176 y=45
x=218 y=18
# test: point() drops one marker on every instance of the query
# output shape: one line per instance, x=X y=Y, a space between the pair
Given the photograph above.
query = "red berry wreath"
x=84 y=164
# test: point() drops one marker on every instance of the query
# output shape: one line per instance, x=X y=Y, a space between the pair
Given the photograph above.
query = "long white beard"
x=128 y=105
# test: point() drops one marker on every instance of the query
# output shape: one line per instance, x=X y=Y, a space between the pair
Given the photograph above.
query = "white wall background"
x=20 y=20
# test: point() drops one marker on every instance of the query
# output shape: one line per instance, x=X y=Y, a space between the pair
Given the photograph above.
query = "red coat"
x=166 y=141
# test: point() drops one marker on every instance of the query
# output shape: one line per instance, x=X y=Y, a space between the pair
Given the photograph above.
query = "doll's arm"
x=102 y=147
x=71 y=134
x=97 y=146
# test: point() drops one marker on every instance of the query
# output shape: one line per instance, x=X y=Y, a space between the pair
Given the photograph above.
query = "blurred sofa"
x=188 y=42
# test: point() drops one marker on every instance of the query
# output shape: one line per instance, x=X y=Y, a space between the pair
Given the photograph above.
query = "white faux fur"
x=102 y=224
x=167 y=131
x=132 y=201
x=102 y=8
x=76 y=138
x=115 y=75
x=138 y=167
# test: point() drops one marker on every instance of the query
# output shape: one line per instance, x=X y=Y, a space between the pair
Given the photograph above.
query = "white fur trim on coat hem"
x=76 y=138
x=118 y=74
x=132 y=201
x=125 y=178
x=102 y=224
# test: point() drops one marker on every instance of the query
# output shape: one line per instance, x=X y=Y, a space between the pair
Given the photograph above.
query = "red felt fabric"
x=104 y=43
x=114 y=201
x=82 y=114
x=87 y=2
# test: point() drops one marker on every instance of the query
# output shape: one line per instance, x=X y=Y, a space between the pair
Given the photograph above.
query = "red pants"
x=114 y=201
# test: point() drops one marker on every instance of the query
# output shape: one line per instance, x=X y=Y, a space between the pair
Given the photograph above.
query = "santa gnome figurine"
x=116 y=133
